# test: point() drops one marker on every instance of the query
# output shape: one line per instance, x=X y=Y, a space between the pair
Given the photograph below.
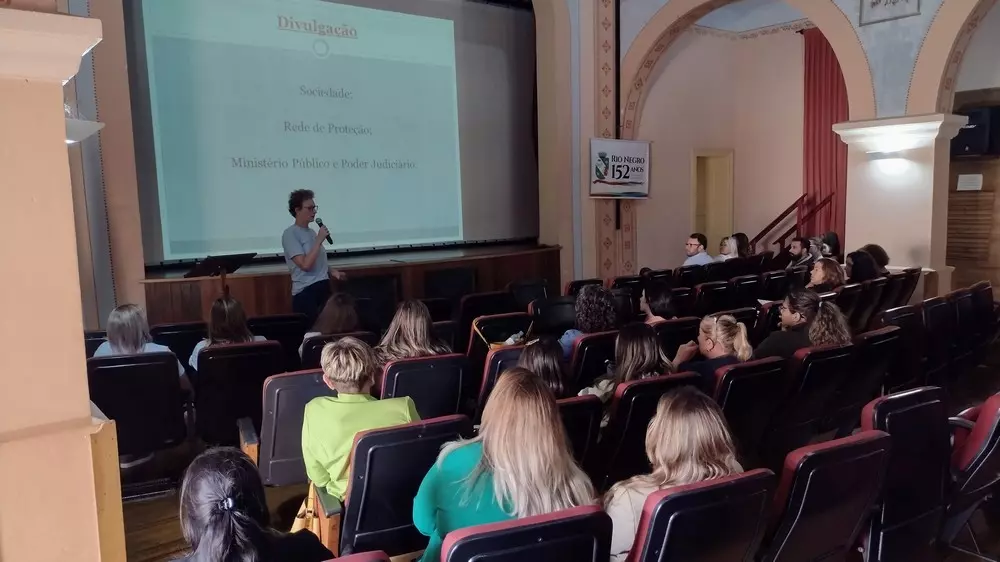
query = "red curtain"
x=824 y=156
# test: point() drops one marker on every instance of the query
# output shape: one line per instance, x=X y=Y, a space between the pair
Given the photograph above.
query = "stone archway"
x=932 y=84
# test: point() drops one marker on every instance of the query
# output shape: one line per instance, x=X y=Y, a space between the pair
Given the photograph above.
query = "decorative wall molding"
x=792 y=26
x=946 y=96
x=44 y=46
x=610 y=250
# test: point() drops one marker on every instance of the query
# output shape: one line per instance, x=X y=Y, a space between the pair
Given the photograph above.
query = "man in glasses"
x=306 y=257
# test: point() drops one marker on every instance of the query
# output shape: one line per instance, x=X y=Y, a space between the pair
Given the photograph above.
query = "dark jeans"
x=311 y=301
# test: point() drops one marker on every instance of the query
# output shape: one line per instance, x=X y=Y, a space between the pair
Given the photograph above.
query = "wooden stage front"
x=266 y=289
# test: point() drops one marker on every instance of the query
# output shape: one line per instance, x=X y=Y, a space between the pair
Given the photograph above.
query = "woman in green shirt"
x=520 y=465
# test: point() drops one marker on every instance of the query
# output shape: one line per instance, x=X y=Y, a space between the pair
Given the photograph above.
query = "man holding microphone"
x=306 y=257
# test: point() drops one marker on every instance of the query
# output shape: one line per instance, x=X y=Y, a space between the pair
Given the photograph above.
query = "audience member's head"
x=831 y=243
x=687 y=441
x=727 y=247
x=824 y=320
x=826 y=273
x=338 y=315
x=880 y=256
x=227 y=322
x=742 y=244
x=861 y=267
x=722 y=335
x=543 y=357
x=657 y=300
x=128 y=330
x=223 y=511
x=638 y=354
x=526 y=450
x=410 y=334
x=645 y=272
x=595 y=310
x=696 y=244
x=349 y=366
x=799 y=247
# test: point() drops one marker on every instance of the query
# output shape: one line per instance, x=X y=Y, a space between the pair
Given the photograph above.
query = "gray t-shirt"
x=105 y=350
x=297 y=241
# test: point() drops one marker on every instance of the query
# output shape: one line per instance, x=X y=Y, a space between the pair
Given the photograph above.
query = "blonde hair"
x=525 y=449
x=128 y=329
x=409 y=334
x=687 y=441
x=730 y=334
x=348 y=363
x=732 y=248
x=638 y=354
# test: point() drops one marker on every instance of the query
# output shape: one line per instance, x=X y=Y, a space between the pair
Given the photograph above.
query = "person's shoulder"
x=103 y=349
x=398 y=404
x=152 y=347
x=463 y=456
x=301 y=546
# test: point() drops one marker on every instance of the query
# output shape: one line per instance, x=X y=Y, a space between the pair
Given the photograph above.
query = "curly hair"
x=595 y=310
x=833 y=274
x=827 y=325
x=297 y=198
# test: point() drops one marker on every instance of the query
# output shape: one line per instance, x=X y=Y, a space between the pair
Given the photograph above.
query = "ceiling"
x=746 y=15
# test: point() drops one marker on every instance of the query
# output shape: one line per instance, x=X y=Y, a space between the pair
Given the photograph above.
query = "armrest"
x=249 y=441
x=328 y=505
x=961 y=423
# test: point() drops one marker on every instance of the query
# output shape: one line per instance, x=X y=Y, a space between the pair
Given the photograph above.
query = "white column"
x=897 y=188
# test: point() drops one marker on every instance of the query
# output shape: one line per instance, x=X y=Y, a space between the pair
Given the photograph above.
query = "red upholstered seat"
x=871 y=296
x=580 y=534
x=626 y=303
x=910 y=286
x=893 y=292
x=475 y=305
x=286 y=329
x=675 y=332
x=964 y=348
x=553 y=316
x=683 y=300
x=434 y=383
x=848 y=298
x=526 y=291
x=497 y=361
x=590 y=358
x=767 y=321
x=744 y=290
x=487 y=330
x=774 y=285
x=749 y=394
x=939 y=336
x=825 y=496
x=986 y=317
x=690 y=275
x=573 y=287
x=907 y=370
x=711 y=297
x=722 y=519
x=581 y=417
x=873 y=353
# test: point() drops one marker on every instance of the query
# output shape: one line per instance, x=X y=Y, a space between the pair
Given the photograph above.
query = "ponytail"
x=729 y=333
x=829 y=326
x=741 y=343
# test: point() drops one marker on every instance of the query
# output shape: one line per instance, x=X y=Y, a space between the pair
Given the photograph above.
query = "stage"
x=266 y=288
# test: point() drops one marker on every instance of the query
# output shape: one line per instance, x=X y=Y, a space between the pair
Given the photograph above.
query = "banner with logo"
x=619 y=168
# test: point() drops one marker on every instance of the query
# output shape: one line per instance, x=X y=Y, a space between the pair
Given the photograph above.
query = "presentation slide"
x=251 y=99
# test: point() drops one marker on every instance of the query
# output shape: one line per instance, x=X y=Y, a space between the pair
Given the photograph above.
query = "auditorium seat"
x=711 y=297
x=312 y=348
x=375 y=298
x=373 y=316
x=626 y=305
x=718 y=271
x=907 y=370
x=774 y=285
x=749 y=394
x=939 y=333
x=634 y=283
x=445 y=332
x=92 y=339
x=683 y=300
x=662 y=276
x=738 y=267
x=434 y=383
x=591 y=355
x=708 y=521
x=873 y=353
x=909 y=513
x=473 y=306
x=286 y=329
x=180 y=337
x=848 y=297
x=675 y=332
x=986 y=317
x=893 y=292
x=747 y=315
x=579 y=534
x=526 y=291
x=744 y=290
x=690 y=275
x=768 y=320
x=387 y=467
x=814 y=374
x=760 y=263
x=910 y=286
x=450 y=283
x=498 y=360
x=798 y=277
x=553 y=316
x=142 y=394
x=581 y=417
x=871 y=296
x=229 y=386
x=964 y=347
x=487 y=331
x=277 y=449
x=573 y=287
x=824 y=498
x=441 y=309
x=622 y=451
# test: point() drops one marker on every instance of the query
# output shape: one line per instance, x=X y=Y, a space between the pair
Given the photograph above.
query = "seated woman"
x=595 y=312
x=727 y=249
x=227 y=324
x=543 y=357
x=657 y=302
x=410 y=334
x=491 y=478
x=806 y=321
x=128 y=334
x=880 y=256
x=721 y=341
x=861 y=267
x=687 y=441
x=826 y=276
x=224 y=514
x=337 y=317
x=638 y=355
x=743 y=248
x=330 y=422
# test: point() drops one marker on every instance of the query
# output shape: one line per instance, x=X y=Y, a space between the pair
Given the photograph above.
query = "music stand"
x=221 y=266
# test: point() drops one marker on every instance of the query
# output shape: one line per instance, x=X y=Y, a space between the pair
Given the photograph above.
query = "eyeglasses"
x=312 y=208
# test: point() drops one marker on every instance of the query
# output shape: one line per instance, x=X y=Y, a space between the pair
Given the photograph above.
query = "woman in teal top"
x=461 y=489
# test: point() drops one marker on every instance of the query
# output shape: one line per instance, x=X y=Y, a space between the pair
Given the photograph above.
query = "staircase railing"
x=780 y=218
x=803 y=220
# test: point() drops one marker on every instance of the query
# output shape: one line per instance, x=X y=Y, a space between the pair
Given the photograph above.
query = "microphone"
x=319 y=222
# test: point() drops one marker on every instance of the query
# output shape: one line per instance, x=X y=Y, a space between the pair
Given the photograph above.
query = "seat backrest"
x=623 y=444
x=229 y=386
x=744 y=291
x=312 y=348
x=895 y=282
x=387 y=467
x=581 y=417
x=675 y=332
x=848 y=297
x=982 y=298
x=874 y=352
x=285 y=398
x=683 y=300
x=774 y=285
x=440 y=309
x=718 y=271
x=871 y=296
x=445 y=332
x=286 y=329
x=747 y=315
x=690 y=275
x=526 y=291
x=579 y=534
x=939 y=334
x=180 y=337
x=912 y=280
x=711 y=297
x=967 y=322
x=976 y=464
x=497 y=361
x=573 y=287
x=824 y=497
x=626 y=305
x=798 y=277
x=633 y=283
x=480 y=304
x=907 y=370
x=553 y=316
x=495 y=329
x=450 y=283
x=711 y=520
x=434 y=383
x=767 y=321
x=142 y=393
x=591 y=355
x=749 y=394
x=913 y=494
x=762 y=261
